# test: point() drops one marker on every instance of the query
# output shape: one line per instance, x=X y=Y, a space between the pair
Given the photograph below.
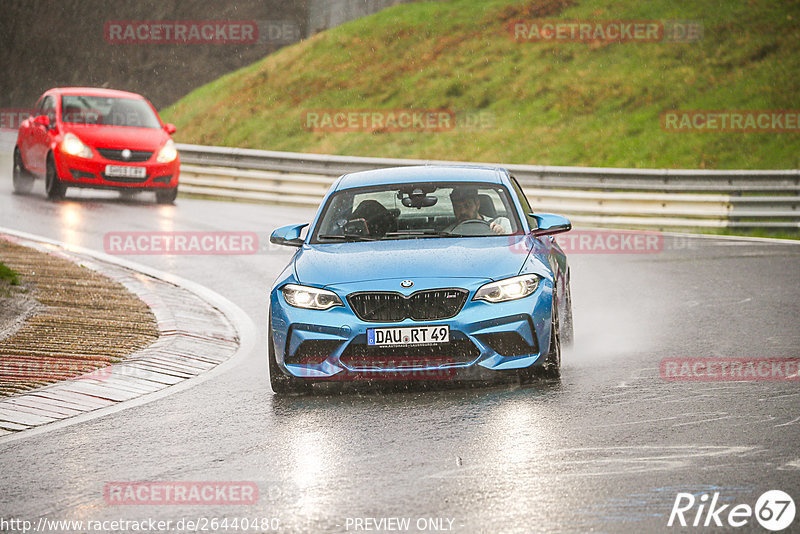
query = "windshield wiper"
x=347 y=237
x=422 y=233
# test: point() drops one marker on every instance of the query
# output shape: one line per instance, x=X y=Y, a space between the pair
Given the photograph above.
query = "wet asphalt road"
x=606 y=449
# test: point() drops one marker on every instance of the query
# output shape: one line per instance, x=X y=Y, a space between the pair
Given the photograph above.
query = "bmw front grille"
x=390 y=306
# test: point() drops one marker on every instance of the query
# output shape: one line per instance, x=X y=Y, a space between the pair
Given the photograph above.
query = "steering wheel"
x=472 y=227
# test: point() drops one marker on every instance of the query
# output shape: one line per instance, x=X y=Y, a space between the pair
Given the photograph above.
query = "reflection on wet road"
x=608 y=447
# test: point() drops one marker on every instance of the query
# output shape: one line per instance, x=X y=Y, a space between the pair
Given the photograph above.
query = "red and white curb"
x=199 y=331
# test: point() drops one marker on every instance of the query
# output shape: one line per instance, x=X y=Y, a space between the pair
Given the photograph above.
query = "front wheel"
x=569 y=328
x=167 y=196
x=23 y=180
x=281 y=383
x=552 y=364
x=551 y=367
x=55 y=188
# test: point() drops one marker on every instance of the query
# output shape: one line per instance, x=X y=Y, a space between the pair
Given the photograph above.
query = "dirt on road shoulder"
x=65 y=321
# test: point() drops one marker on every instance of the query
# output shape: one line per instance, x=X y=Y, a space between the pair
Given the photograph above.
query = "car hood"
x=120 y=136
x=485 y=258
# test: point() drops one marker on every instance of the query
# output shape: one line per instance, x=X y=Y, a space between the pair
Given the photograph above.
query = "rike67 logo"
x=774 y=510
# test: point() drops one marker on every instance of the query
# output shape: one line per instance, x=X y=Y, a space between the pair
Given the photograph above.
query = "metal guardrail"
x=635 y=198
x=640 y=198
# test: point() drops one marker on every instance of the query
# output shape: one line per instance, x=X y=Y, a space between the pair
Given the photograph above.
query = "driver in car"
x=466 y=204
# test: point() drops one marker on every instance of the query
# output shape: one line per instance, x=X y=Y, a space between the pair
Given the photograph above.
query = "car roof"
x=94 y=91
x=423 y=173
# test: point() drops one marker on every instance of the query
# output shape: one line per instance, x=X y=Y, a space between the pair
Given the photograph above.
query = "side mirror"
x=42 y=120
x=170 y=128
x=288 y=235
x=550 y=224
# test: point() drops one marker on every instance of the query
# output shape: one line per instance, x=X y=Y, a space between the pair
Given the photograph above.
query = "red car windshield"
x=107 y=111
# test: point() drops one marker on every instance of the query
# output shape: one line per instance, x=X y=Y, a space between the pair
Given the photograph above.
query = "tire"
x=23 y=180
x=167 y=196
x=551 y=367
x=568 y=330
x=54 y=187
x=281 y=383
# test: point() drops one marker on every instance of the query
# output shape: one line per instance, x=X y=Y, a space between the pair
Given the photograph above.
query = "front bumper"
x=82 y=172
x=484 y=338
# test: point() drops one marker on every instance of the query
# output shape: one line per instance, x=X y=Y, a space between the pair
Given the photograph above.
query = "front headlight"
x=73 y=146
x=167 y=153
x=310 y=298
x=509 y=289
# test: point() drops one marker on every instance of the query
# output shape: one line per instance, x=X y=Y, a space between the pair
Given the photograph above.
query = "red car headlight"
x=168 y=152
x=73 y=146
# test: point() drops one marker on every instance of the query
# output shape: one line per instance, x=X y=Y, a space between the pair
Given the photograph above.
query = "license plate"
x=120 y=171
x=408 y=335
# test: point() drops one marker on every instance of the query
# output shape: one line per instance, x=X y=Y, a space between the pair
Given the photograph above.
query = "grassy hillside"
x=594 y=104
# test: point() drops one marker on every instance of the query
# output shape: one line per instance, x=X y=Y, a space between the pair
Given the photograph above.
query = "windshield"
x=418 y=210
x=107 y=111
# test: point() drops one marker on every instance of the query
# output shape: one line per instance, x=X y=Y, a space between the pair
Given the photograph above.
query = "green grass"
x=9 y=276
x=548 y=103
x=793 y=235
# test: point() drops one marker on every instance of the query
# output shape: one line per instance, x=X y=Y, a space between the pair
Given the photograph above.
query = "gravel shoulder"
x=16 y=306
x=103 y=333
x=65 y=321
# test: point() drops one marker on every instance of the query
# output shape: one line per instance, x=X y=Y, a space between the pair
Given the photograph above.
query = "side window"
x=525 y=204
x=49 y=109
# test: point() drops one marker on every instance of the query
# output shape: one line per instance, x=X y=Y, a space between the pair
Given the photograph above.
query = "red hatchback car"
x=99 y=138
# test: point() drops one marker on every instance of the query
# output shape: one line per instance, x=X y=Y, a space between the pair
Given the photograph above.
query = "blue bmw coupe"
x=420 y=273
